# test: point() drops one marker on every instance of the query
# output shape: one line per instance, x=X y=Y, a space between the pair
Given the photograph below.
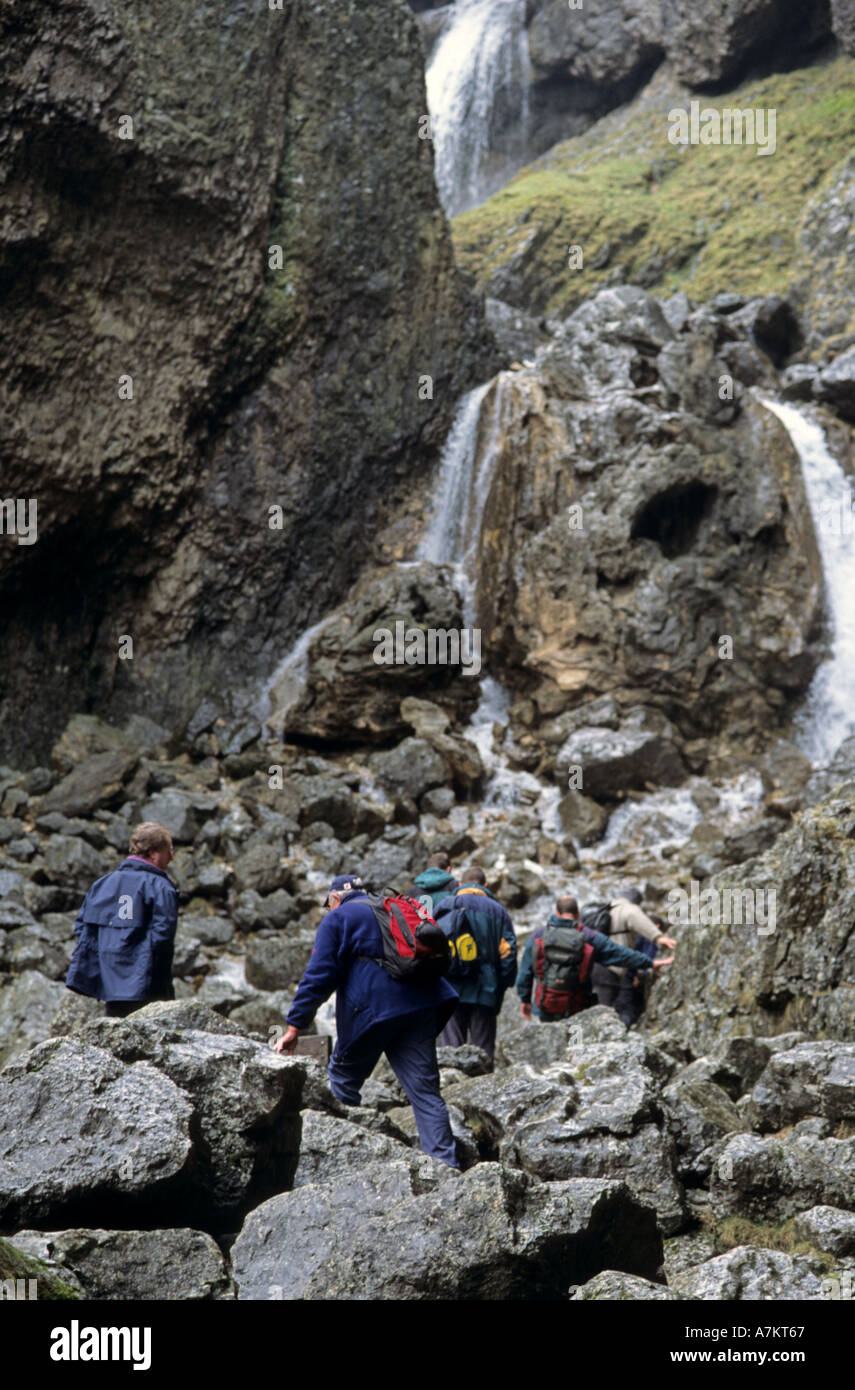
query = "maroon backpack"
x=415 y=948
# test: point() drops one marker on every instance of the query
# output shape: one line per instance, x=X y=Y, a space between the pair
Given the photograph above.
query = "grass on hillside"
x=701 y=218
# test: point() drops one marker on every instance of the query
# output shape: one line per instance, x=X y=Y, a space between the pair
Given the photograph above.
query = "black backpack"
x=415 y=948
x=598 y=917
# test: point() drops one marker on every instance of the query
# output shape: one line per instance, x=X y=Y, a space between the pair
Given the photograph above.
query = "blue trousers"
x=410 y=1045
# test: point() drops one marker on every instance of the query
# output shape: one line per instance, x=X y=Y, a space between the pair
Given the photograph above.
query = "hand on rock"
x=288 y=1041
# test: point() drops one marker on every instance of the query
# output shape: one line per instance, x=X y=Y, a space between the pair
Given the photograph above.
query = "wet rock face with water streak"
x=775 y=963
x=217 y=139
x=645 y=532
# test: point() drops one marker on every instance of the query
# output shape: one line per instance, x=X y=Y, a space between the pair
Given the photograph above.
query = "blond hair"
x=148 y=837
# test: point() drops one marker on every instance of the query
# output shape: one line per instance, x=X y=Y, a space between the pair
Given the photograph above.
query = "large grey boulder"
x=246 y=1099
x=28 y=1002
x=276 y=962
x=815 y=1078
x=827 y=1228
x=775 y=964
x=747 y=1273
x=698 y=1113
x=644 y=749
x=96 y=782
x=709 y=46
x=769 y=1180
x=595 y=1114
x=492 y=1234
x=612 y=1285
x=540 y=1044
x=166 y=1264
x=87 y=1138
x=843 y=22
x=330 y=1147
x=286 y=1239
x=835 y=384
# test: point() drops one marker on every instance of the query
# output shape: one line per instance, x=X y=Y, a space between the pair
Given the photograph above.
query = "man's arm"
x=627 y=916
x=321 y=974
x=608 y=952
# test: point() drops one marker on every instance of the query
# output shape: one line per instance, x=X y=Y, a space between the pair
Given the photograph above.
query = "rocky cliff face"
x=151 y=158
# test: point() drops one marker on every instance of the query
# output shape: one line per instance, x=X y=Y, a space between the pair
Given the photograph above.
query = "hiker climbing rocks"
x=623 y=921
x=360 y=952
x=484 y=964
x=558 y=962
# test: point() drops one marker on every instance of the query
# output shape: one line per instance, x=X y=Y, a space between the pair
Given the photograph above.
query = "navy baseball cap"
x=345 y=883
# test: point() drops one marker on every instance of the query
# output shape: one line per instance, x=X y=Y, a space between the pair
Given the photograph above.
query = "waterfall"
x=462 y=488
x=478 y=99
x=827 y=716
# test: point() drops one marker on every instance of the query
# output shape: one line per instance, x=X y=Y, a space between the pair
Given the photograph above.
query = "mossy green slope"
x=701 y=218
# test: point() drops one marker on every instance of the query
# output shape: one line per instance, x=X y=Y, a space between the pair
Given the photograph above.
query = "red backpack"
x=415 y=948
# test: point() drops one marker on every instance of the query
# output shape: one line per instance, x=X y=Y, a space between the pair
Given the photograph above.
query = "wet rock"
x=209 y=929
x=541 y=1044
x=245 y=1097
x=264 y=1014
x=411 y=768
x=28 y=1003
x=182 y=811
x=609 y=1284
x=686 y=1251
x=835 y=384
x=285 y=1240
x=167 y=1264
x=770 y=1180
x=614 y=1130
x=73 y=863
x=824 y=782
x=709 y=50
x=827 y=1228
x=843 y=23
x=798 y=381
x=774 y=965
x=431 y=723
x=698 y=1113
x=491 y=1234
x=582 y=817
x=468 y=1059
x=277 y=962
x=348 y=695
x=258 y=868
x=642 y=750
x=136 y=1123
x=748 y=1273
x=330 y=1146
x=815 y=1078
x=96 y=782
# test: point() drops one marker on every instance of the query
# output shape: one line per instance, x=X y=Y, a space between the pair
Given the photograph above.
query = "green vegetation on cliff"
x=702 y=218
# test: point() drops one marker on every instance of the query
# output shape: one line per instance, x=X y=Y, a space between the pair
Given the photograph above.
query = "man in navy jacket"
x=374 y=1014
x=126 y=928
x=474 y=909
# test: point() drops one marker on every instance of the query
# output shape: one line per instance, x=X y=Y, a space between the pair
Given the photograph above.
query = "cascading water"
x=828 y=714
x=478 y=99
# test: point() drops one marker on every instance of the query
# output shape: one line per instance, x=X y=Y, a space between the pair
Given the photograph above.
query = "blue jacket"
x=126 y=935
x=489 y=922
x=606 y=952
x=365 y=993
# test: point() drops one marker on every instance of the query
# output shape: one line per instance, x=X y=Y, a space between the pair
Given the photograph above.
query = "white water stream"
x=828 y=714
x=478 y=98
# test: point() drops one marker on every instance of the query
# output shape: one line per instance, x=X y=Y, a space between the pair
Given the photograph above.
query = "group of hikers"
x=410 y=971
